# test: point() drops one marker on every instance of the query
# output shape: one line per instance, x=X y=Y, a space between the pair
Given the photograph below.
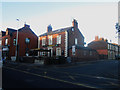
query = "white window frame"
x=6 y=41
x=50 y=48
x=58 y=51
x=108 y=46
x=85 y=53
x=50 y=40
x=72 y=29
x=76 y=41
x=59 y=39
x=43 y=41
x=91 y=53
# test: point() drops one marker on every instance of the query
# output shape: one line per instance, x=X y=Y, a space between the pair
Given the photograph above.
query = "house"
x=105 y=49
x=61 y=41
x=27 y=39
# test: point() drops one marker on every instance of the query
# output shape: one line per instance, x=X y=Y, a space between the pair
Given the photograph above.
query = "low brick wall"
x=26 y=59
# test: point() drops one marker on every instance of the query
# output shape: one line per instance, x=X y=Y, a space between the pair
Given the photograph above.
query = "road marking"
x=78 y=84
x=72 y=77
x=73 y=74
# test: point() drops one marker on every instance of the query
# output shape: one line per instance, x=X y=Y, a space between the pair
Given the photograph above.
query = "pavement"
x=57 y=65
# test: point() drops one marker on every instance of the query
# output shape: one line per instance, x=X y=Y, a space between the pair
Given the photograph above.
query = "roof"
x=57 y=31
x=3 y=33
x=26 y=27
x=12 y=30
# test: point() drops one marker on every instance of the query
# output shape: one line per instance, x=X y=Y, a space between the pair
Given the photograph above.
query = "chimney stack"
x=49 y=28
x=96 y=38
x=25 y=25
x=75 y=23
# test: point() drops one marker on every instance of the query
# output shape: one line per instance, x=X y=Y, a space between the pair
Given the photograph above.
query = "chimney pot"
x=49 y=28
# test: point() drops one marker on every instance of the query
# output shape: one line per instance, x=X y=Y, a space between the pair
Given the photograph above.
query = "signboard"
x=73 y=50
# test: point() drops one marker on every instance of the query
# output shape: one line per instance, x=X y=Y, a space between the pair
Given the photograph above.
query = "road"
x=95 y=75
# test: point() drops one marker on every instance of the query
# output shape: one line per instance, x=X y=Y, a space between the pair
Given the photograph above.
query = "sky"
x=94 y=18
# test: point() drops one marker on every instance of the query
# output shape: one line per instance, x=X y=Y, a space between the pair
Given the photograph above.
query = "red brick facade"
x=105 y=50
x=70 y=36
x=23 y=33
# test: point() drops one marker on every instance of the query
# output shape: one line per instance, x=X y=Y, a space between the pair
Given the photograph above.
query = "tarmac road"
x=96 y=75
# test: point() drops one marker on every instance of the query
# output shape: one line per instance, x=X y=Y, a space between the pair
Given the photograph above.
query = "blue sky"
x=93 y=18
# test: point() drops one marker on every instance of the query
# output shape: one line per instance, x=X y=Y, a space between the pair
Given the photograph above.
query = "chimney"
x=106 y=40
x=96 y=38
x=101 y=39
x=25 y=25
x=75 y=23
x=49 y=28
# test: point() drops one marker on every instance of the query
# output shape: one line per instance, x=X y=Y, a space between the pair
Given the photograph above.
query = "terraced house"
x=105 y=49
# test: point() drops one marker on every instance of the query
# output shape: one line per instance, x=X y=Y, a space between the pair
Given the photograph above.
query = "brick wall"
x=54 y=42
x=84 y=55
x=22 y=35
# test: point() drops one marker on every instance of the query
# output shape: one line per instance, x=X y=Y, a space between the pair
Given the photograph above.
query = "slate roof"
x=57 y=31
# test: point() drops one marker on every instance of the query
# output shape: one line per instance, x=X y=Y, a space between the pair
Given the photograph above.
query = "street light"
x=17 y=41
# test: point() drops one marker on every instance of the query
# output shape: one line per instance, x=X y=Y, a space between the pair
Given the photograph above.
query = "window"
x=50 y=48
x=84 y=53
x=59 y=39
x=14 y=41
x=0 y=42
x=108 y=46
x=58 y=51
x=72 y=29
x=75 y=41
x=50 y=40
x=116 y=48
x=43 y=41
x=27 y=40
x=6 y=41
x=90 y=53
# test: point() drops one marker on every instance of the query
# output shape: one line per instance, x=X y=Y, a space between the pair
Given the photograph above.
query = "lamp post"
x=16 y=54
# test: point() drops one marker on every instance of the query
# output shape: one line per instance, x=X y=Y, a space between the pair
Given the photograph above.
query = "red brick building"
x=105 y=49
x=24 y=34
x=61 y=41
